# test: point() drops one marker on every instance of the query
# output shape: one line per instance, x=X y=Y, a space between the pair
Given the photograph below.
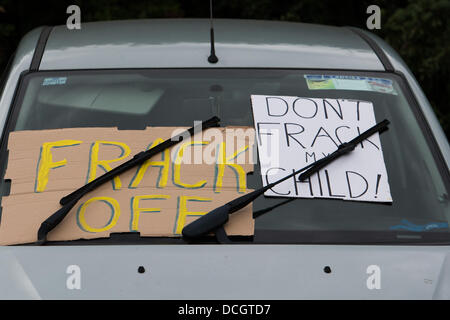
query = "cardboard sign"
x=157 y=198
x=293 y=132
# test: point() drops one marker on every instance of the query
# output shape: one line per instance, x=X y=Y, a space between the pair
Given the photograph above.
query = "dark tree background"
x=418 y=29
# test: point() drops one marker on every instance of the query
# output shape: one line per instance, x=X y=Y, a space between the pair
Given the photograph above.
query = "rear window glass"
x=138 y=98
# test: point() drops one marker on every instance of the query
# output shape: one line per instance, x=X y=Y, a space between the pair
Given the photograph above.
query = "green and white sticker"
x=334 y=82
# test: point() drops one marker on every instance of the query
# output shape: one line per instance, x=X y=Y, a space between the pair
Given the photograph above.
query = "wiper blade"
x=214 y=220
x=69 y=201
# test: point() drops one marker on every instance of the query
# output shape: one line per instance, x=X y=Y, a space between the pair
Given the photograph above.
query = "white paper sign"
x=293 y=132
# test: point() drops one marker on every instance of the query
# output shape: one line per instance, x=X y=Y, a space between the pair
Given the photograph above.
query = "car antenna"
x=212 y=57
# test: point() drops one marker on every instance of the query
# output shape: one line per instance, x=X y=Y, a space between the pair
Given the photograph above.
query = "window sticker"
x=54 y=81
x=293 y=132
x=334 y=82
x=409 y=226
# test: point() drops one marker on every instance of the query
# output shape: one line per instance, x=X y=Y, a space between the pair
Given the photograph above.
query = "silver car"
x=302 y=249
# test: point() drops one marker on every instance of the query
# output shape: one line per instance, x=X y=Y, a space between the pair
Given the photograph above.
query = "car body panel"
x=425 y=106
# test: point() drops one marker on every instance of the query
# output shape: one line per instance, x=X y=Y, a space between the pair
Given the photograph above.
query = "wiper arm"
x=214 y=220
x=69 y=201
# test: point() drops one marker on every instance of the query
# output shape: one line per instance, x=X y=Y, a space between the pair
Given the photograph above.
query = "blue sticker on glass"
x=54 y=81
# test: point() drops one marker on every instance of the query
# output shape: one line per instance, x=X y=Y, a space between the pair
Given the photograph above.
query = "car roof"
x=170 y=43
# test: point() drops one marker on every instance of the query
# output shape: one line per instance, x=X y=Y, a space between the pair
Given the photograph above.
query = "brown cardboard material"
x=159 y=200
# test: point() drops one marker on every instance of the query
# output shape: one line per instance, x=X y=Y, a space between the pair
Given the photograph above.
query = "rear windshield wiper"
x=69 y=201
x=214 y=220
